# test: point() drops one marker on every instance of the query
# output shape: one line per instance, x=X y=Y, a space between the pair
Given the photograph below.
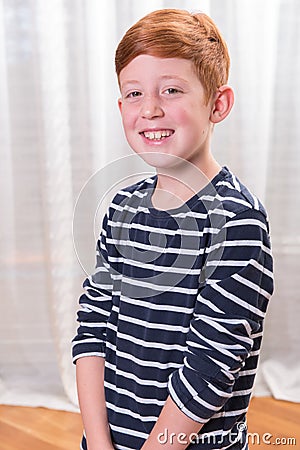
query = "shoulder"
x=229 y=203
x=236 y=199
x=132 y=198
x=143 y=185
x=137 y=190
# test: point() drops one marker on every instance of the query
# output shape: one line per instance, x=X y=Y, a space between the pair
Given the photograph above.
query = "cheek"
x=191 y=124
x=181 y=115
x=128 y=118
x=189 y=117
x=196 y=120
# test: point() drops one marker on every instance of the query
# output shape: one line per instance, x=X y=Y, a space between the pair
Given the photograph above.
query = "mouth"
x=156 y=135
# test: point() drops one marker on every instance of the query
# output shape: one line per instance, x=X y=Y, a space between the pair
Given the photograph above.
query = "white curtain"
x=59 y=124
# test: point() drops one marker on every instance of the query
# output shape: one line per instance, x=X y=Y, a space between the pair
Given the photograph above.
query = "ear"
x=120 y=104
x=222 y=104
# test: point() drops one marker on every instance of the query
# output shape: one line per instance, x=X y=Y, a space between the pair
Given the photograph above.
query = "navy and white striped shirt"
x=176 y=307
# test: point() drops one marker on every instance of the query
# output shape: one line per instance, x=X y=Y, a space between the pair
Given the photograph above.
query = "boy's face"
x=163 y=109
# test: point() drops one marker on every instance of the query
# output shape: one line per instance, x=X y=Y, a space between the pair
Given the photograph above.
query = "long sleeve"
x=95 y=305
x=229 y=313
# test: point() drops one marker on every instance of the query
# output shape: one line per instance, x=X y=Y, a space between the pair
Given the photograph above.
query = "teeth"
x=157 y=134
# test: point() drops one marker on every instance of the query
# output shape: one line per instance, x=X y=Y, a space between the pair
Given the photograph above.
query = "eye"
x=133 y=94
x=172 y=90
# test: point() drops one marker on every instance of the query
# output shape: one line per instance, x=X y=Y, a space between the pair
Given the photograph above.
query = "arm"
x=95 y=305
x=229 y=312
x=90 y=387
x=89 y=350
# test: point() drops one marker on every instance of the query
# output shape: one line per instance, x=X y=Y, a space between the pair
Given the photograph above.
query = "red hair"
x=175 y=33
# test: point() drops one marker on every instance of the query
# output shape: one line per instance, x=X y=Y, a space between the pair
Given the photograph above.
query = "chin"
x=160 y=160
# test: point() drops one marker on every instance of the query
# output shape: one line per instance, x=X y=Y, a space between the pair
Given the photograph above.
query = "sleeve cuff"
x=201 y=404
x=83 y=349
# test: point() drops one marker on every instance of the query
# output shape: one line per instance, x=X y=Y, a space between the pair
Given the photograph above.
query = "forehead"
x=145 y=67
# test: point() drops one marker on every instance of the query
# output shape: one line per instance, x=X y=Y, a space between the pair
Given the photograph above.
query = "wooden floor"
x=44 y=429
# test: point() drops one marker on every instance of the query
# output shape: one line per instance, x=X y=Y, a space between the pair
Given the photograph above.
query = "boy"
x=171 y=322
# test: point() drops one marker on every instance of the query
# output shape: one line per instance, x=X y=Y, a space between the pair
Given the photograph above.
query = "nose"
x=151 y=107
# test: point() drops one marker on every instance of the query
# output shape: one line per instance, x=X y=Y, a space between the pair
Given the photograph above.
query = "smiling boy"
x=165 y=111
x=171 y=322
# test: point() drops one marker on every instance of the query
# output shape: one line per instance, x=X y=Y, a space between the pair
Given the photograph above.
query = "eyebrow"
x=173 y=77
x=130 y=82
x=163 y=78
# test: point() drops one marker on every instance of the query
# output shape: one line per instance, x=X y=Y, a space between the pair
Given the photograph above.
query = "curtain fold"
x=59 y=124
x=280 y=368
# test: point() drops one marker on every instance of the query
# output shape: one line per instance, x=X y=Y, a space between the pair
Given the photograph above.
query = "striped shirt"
x=176 y=307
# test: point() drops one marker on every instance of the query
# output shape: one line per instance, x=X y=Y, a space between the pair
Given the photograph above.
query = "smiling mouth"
x=157 y=135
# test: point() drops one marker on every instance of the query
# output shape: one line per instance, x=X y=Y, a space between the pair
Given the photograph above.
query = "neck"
x=176 y=185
